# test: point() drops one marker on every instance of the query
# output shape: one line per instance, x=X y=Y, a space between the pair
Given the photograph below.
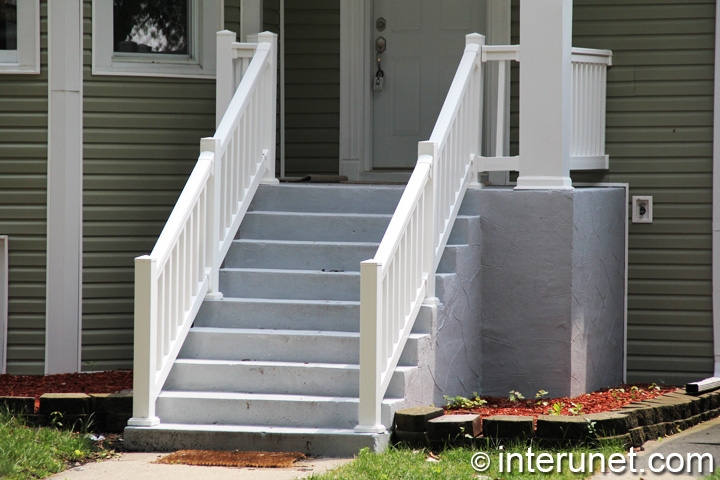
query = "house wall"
x=659 y=137
x=23 y=184
x=312 y=86
x=660 y=140
x=142 y=137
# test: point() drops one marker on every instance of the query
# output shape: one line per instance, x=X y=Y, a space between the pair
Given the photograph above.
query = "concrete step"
x=286 y=314
x=287 y=378
x=289 y=284
x=290 y=254
x=285 y=346
x=328 y=198
x=321 y=227
x=263 y=409
x=168 y=437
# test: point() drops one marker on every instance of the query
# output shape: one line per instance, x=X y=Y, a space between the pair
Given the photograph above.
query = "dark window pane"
x=8 y=24
x=151 y=26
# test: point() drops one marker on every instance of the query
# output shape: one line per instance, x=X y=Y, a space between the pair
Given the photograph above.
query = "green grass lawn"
x=28 y=452
x=404 y=463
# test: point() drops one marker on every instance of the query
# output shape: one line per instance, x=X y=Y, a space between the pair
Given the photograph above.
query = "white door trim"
x=355 y=98
x=63 y=324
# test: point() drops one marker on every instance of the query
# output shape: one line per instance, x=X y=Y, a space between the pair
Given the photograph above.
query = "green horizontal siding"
x=141 y=141
x=659 y=138
x=23 y=213
x=312 y=86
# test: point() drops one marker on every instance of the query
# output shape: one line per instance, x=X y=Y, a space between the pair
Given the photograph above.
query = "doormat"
x=217 y=458
x=315 y=178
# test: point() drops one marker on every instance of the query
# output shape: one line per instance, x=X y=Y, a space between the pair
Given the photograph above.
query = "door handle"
x=379 y=81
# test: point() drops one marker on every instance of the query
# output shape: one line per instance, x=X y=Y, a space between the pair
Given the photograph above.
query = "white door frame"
x=356 y=101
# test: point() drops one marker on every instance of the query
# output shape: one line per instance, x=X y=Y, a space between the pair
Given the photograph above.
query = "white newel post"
x=209 y=147
x=146 y=349
x=269 y=109
x=225 y=82
x=369 y=415
x=545 y=94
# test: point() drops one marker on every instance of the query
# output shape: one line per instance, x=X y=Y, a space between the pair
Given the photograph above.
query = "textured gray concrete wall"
x=538 y=302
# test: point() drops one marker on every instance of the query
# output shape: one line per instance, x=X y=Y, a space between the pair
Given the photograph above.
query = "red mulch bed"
x=36 y=385
x=603 y=400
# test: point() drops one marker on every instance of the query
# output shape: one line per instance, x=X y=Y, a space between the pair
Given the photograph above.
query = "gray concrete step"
x=288 y=314
x=304 y=226
x=328 y=198
x=292 y=254
x=287 y=378
x=168 y=437
x=263 y=409
x=284 y=346
x=292 y=284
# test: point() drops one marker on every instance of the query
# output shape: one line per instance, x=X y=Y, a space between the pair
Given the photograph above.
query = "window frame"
x=26 y=59
x=205 y=20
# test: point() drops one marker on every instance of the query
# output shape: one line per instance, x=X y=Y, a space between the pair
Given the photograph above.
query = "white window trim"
x=208 y=20
x=26 y=59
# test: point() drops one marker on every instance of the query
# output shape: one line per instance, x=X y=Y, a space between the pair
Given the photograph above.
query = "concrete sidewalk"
x=700 y=439
x=142 y=466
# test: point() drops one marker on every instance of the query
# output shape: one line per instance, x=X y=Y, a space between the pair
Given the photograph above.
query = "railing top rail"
x=401 y=216
x=498 y=53
x=591 y=55
x=243 y=49
x=241 y=97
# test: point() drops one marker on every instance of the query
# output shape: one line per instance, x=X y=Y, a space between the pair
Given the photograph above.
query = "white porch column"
x=545 y=94
x=63 y=330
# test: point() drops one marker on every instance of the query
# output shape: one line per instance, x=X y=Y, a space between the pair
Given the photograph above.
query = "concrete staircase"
x=274 y=365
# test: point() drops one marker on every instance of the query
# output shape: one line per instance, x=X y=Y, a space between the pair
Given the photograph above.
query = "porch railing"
x=401 y=276
x=182 y=270
x=589 y=80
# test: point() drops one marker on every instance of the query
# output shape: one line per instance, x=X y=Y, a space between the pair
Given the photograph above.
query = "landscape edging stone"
x=633 y=424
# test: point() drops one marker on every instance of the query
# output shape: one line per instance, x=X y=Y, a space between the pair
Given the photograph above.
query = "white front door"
x=424 y=42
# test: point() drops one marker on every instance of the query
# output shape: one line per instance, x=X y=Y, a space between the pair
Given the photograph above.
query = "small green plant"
x=592 y=431
x=654 y=387
x=556 y=408
x=575 y=409
x=540 y=394
x=515 y=396
x=463 y=402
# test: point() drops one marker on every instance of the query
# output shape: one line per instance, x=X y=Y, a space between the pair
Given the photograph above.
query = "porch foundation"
x=545 y=306
x=553 y=290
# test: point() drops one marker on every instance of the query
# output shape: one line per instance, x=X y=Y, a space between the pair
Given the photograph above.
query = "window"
x=164 y=38
x=19 y=36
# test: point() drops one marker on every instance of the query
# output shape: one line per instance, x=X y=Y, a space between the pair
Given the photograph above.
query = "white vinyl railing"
x=587 y=144
x=401 y=276
x=182 y=270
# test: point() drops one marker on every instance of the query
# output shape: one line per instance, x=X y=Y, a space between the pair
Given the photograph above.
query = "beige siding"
x=312 y=86
x=23 y=185
x=141 y=139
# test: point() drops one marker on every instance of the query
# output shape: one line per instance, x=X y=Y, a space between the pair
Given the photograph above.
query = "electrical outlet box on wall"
x=642 y=209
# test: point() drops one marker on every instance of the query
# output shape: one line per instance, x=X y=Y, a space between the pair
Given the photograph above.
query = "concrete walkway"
x=142 y=466
x=701 y=439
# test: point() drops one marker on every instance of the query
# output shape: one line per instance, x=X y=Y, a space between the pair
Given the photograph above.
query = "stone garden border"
x=632 y=424
x=97 y=412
